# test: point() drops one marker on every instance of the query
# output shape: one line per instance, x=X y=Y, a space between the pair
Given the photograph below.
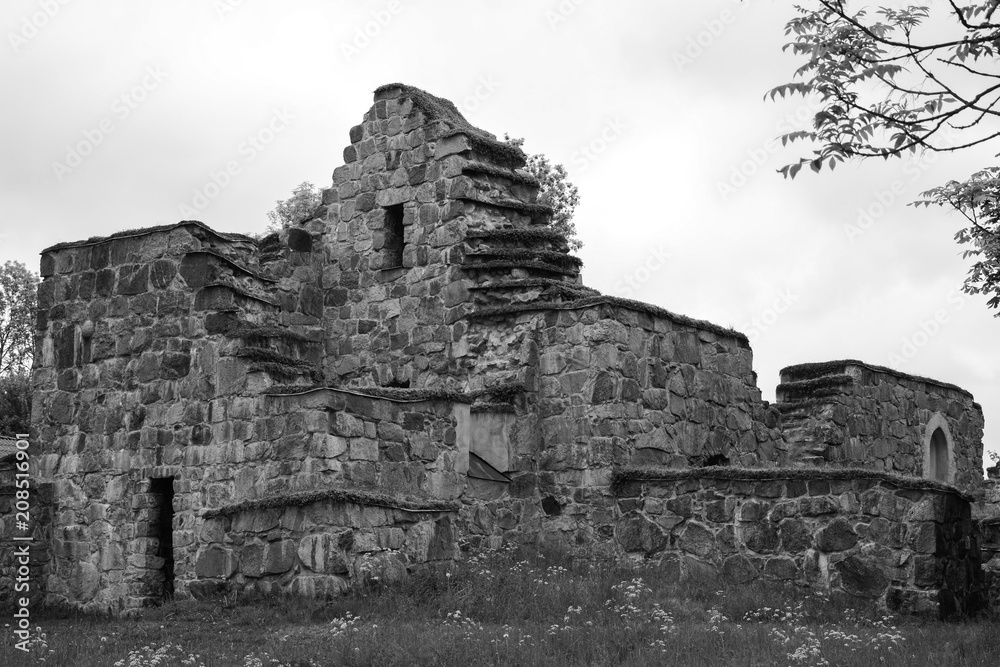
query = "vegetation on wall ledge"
x=144 y=231
x=439 y=109
x=817 y=369
x=474 y=167
x=357 y=496
x=520 y=234
x=527 y=254
x=814 y=386
x=587 y=302
x=624 y=475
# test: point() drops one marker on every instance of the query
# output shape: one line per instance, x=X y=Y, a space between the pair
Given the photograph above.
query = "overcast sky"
x=117 y=113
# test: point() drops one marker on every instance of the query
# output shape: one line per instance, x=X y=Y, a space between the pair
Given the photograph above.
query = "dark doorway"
x=393 y=236
x=163 y=490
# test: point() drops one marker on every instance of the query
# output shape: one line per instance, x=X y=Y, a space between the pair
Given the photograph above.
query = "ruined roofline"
x=631 y=304
x=440 y=109
x=624 y=475
x=816 y=370
x=145 y=231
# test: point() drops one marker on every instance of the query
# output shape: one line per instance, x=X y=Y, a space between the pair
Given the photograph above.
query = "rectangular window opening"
x=163 y=529
x=393 y=236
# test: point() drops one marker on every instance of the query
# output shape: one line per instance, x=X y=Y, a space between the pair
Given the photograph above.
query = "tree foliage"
x=556 y=191
x=15 y=403
x=18 y=300
x=297 y=208
x=884 y=90
x=898 y=80
x=978 y=199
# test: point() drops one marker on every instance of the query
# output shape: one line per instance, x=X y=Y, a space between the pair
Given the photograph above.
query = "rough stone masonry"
x=418 y=370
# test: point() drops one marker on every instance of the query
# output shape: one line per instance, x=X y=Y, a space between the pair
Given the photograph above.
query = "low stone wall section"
x=909 y=546
x=319 y=543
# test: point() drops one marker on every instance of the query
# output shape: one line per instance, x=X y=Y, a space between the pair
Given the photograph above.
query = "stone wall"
x=848 y=413
x=293 y=453
x=318 y=543
x=907 y=545
x=617 y=384
x=210 y=408
x=156 y=353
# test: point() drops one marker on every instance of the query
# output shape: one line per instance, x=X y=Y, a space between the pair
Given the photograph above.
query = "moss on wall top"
x=627 y=474
x=397 y=394
x=519 y=234
x=589 y=301
x=144 y=231
x=473 y=167
x=527 y=254
x=814 y=370
x=813 y=385
x=349 y=495
x=548 y=283
x=437 y=108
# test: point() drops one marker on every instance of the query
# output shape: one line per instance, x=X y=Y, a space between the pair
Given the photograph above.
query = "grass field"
x=509 y=609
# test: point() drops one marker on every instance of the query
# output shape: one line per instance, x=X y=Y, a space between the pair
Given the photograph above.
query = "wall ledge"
x=624 y=475
x=358 y=496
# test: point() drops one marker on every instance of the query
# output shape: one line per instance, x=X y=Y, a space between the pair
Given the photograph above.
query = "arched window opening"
x=939 y=456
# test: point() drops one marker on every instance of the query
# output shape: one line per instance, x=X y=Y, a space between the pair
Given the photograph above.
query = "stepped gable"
x=430 y=220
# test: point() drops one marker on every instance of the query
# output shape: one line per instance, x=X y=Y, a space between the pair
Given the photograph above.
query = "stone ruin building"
x=418 y=370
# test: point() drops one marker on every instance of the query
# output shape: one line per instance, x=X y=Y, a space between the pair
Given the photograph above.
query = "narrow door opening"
x=163 y=529
x=393 y=236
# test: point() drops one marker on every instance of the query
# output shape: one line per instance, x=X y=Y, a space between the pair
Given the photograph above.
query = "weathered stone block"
x=697 y=539
x=860 y=577
x=739 y=569
x=760 y=537
x=323 y=554
x=922 y=537
x=795 y=535
x=784 y=569
x=279 y=556
x=637 y=533
x=215 y=562
x=836 y=536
